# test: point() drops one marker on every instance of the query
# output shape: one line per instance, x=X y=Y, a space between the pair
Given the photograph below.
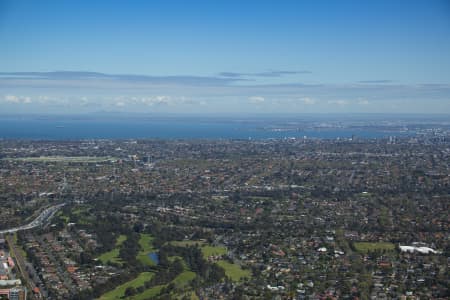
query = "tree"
x=130 y=291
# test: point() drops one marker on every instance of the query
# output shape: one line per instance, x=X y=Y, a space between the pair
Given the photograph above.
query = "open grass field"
x=145 y=242
x=148 y=294
x=190 y=295
x=213 y=250
x=113 y=255
x=187 y=243
x=173 y=258
x=76 y=159
x=207 y=250
x=233 y=271
x=184 y=278
x=180 y=281
x=119 y=291
x=365 y=247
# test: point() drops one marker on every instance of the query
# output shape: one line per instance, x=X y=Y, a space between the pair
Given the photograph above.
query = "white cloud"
x=308 y=101
x=256 y=99
x=338 y=102
x=157 y=100
x=363 y=102
x=43 y=99
x=162 y=99
x=12 y=99
x=17 y=99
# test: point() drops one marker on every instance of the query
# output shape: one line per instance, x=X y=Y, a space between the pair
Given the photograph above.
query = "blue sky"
x=225 y=56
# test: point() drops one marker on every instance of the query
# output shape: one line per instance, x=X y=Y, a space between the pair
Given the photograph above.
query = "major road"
x=44 y=216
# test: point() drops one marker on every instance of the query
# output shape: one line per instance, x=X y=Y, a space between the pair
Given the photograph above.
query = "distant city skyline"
x=213 y=57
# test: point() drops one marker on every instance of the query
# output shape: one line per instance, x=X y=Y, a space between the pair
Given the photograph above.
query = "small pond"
x=154 y=257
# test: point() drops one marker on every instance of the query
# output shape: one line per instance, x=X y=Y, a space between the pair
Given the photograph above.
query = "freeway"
x=40 y=220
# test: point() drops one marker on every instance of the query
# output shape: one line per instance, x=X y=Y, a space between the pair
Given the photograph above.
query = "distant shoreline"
x=77 y=127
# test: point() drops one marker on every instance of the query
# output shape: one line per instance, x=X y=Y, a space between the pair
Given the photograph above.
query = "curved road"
x=41 y=219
